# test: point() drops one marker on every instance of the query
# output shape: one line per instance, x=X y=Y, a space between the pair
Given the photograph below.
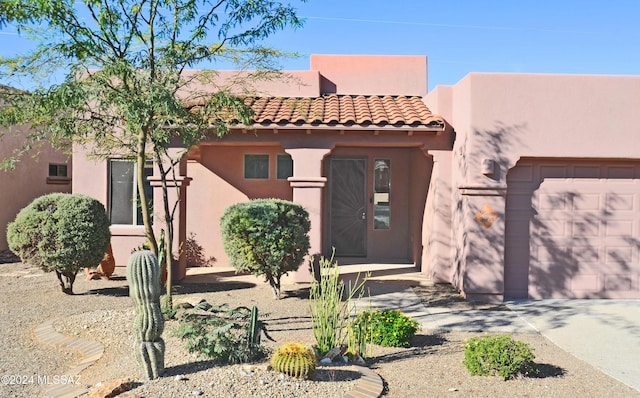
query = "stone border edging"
x=369 y=386
x=90 y=351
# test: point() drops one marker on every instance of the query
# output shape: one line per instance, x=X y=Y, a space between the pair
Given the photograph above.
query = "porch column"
x=307 y=183
x=480 y=250
x=436 y=251
x=177 y=196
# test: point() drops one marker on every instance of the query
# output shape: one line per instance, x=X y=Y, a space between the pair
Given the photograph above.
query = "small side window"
x=256 y=167
x=58 y=174
x=285 y=167
x=58 y=170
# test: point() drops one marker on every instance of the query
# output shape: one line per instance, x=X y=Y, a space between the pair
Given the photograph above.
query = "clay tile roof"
x=344 y=110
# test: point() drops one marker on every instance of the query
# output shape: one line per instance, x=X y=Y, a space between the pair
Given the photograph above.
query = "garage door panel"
x=586 y=202
x=583 y=230
x=623 y=283
x=550 y=227
x=621 y=202
x=619 y=255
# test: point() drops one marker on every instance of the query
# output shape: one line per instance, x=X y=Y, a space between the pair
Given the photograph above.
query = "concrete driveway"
x=603 y=333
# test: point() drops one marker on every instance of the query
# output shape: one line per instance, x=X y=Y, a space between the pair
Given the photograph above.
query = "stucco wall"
x=372 y=74
x=217 y=182
x=29 y=178
x=504 y=117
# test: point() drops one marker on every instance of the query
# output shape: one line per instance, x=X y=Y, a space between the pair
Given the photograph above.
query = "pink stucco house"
x=47 y=172
x=505 y=185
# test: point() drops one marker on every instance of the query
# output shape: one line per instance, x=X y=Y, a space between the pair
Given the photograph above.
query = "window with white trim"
x=124 y=200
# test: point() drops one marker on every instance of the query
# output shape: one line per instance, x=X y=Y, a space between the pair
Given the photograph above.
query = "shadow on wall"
x=195 y=253
x=566 y=237
x=497 y=144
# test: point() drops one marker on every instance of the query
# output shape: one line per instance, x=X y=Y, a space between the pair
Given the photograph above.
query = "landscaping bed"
x=102 y=310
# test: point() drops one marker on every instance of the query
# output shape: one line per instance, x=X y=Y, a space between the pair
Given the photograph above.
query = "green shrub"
x=389 y=328
x=219 y=333
x=498 y=355
x=61 y=232
x=266 y=237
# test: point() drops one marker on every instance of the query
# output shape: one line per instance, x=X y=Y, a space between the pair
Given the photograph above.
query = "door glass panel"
x=382 y=194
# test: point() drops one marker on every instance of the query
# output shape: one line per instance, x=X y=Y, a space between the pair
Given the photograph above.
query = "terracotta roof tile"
x=346 y=110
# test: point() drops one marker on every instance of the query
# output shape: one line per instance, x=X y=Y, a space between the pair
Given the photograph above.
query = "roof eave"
x=343 y=128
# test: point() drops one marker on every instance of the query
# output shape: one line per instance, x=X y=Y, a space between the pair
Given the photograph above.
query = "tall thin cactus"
x=143 y=274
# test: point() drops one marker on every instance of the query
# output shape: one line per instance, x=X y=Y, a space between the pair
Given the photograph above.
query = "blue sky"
x=462 y=36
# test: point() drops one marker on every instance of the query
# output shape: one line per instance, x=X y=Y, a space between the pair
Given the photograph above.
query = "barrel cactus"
x=143 y=274
x=294 y=359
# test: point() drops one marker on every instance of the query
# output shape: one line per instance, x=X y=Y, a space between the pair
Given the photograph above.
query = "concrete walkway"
x=604 y=333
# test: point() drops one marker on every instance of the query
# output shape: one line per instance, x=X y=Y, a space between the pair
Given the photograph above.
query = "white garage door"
x=573 y=230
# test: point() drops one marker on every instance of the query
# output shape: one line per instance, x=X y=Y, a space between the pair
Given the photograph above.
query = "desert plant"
x=143 y=275
x=498 y=355
x=266 y=237
x=61 y=232
x=294 y=359
x=389 y=328
x=216 y=332
x=330 y=314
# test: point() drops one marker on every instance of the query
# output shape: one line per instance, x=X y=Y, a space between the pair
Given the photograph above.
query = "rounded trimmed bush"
x=61 y=232
x=266 y=237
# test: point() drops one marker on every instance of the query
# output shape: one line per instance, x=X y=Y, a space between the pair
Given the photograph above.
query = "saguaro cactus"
x=143 y=274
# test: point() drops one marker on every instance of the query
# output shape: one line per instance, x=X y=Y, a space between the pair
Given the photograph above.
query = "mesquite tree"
x=126 y=90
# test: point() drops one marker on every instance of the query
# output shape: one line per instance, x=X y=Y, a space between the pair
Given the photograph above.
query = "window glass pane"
x=57 y=170
x=382 y=194
x=285 y=167
x=123 y=192
x=256 y=166
x=148 y=172
x=121 y=188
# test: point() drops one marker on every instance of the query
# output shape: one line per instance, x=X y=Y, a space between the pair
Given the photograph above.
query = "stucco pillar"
x=177 y=196
x=436 y=250
x=480 y=244
x=307 y=183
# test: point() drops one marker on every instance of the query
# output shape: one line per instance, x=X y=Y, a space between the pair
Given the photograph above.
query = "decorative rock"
x=197 y=393
x=110 y=389
x=359 y=360
x=325 y=361
x=181 y=378
x=335 y=353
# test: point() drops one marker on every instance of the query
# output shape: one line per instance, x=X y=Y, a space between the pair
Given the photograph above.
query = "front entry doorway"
x=371 y=194
x=348 y=206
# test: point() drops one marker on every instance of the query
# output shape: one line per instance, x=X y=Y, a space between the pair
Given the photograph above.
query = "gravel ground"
x=102 y=310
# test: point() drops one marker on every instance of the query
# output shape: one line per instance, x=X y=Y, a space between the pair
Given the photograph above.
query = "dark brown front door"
x=348 y=206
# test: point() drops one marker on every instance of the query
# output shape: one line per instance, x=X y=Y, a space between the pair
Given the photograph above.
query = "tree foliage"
x=126 y=84
x=61 y=232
